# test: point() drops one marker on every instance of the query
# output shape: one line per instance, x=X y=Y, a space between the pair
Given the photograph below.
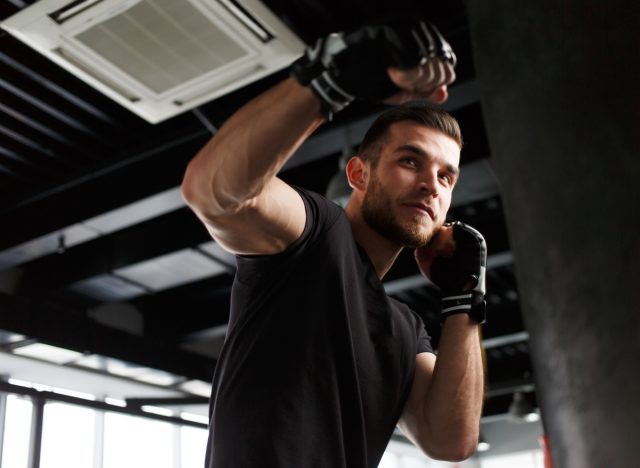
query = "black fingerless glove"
x=468 y=264
x=342 y=67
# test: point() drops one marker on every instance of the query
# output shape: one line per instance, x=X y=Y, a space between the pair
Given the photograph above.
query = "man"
x=319 y=364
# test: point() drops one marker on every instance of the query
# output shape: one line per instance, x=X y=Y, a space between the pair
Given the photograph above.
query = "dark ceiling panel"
x=70 y=328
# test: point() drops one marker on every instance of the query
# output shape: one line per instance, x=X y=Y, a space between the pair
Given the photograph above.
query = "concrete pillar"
x=560 y=83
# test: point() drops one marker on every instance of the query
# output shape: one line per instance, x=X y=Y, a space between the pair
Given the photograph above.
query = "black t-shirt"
x=318 y=362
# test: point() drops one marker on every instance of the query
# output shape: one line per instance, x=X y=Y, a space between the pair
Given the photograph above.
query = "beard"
x=378 y=212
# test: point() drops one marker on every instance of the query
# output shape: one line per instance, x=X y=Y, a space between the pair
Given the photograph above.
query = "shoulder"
x=406 y=311
x=415 y=321
x=319 y=209
x=321 y=214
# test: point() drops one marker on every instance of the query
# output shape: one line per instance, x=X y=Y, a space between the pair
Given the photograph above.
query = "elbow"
x=453 y=449
x=462 y=452
x=188 y=188
x=452 y=454
x=202 y=193
x=192 y=191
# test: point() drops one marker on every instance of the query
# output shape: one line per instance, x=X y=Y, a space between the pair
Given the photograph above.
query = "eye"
x=410 y=161
x=446 y=177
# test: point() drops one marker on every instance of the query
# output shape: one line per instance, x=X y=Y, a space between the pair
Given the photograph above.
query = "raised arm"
x=231 y=184
x=442 y=415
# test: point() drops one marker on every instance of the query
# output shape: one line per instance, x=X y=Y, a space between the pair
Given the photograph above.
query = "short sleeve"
x=320 y=215
x=424 y=340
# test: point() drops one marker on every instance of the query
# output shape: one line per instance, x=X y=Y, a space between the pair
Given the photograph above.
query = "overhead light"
x=532 y=417
x=48 y=353
x=171 y=270
x=158 y=377
x=129 y=370
x=8 y=337
x=36 y=386
x=521 y=409
x=109 y=365
x=115 y=402
x=157 y=410
x=107 y=288
x=20 y=383
x=197 y=387
x=483 y=445
x=74 y=393
x=195 y=417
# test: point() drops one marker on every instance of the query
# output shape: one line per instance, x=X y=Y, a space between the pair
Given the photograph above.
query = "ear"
x=357 y=173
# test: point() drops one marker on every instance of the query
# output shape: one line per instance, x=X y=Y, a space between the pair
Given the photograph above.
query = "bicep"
x=411 y=420
x=266 y=224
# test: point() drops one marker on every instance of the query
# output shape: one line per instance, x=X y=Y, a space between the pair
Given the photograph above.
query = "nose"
x=428 y=183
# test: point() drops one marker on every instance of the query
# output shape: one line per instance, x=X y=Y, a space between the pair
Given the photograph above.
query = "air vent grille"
x=189 y=46
x=159 y=58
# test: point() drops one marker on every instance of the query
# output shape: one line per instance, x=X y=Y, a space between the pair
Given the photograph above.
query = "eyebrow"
x=420 y=152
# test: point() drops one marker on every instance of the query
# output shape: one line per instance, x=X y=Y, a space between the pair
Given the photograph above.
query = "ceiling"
x=99 y=254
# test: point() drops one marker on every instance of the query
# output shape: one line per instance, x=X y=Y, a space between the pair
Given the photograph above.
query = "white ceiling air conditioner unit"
x=159 y=58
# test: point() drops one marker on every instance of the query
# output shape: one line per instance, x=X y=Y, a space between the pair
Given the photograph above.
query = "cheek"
x=403 y=181
x=445 y=201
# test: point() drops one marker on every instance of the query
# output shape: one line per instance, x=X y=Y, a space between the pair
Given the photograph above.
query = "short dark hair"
x=415 y=111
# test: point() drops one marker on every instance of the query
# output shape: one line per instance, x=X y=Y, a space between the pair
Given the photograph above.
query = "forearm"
x=453 y=405
x=250 y=149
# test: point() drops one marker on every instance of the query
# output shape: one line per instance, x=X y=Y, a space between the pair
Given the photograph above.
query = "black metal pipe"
x=38 y=395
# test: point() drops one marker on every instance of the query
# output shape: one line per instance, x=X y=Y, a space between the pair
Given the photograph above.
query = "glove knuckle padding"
x=468 y=261
x=359 y=69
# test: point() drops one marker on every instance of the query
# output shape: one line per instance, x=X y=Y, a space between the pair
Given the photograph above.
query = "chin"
x=407 y=235
x=417 y=236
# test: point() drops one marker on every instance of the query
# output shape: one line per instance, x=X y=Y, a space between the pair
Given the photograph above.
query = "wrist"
x=470 y=303
x=307 y=99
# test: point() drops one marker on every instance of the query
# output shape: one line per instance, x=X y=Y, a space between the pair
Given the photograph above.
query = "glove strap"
x=312 y=70
x=456 y=304
x=332 y=97
x=471 y=303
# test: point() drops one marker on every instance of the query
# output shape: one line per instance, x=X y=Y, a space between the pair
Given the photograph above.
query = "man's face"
x=409 y=191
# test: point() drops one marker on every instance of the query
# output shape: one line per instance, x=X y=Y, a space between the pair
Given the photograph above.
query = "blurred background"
x=113 y=299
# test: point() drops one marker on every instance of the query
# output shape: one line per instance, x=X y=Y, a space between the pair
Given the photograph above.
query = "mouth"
x=421 y=208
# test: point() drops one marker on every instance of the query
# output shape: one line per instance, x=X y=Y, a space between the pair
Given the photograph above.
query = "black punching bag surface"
x=560 y=85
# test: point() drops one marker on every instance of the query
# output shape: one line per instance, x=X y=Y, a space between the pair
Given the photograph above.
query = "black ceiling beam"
x=105 y=254
x=95 y=404
x=78 y=125
x=60 y=326
x=43 y=124
x=168 y=401
x=62 y=92
x=11 y=166
x=146 y=173
x=30 y=158
x=19 y=91
x=61 y=152
x=18 y=137
x=33 y=123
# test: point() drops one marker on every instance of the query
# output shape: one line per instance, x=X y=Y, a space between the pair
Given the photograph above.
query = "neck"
x=381 y=251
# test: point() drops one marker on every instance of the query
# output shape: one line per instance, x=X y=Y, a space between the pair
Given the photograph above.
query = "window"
x=133 y=442
x=17 y=429
x=67 y=436
x=193 y=445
